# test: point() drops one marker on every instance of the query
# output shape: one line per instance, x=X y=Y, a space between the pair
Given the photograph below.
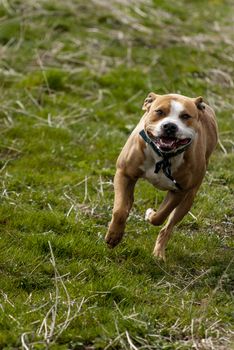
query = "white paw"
x=148 y=213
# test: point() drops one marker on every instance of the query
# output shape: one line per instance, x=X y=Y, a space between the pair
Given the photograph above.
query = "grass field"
x=74 y=75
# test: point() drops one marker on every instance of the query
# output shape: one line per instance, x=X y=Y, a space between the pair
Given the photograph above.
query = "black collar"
x=165 y=163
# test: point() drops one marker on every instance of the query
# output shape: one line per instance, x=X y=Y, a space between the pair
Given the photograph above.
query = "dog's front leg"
x=124 y=189
x=176 y=216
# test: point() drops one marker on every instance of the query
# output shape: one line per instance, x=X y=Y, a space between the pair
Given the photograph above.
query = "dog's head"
x=171 y=121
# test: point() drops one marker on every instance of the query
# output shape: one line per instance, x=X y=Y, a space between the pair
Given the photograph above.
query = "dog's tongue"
x=166 y=142
x=183 y=141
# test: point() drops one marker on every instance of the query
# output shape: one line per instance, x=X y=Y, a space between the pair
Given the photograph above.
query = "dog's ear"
x=199 y=103
x=148 y=101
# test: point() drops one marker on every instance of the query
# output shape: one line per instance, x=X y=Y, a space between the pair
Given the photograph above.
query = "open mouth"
x=168 y=144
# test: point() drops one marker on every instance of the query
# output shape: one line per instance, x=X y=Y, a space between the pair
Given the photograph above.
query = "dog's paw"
x=113 y=239
x=148 y=214
x=159 y=253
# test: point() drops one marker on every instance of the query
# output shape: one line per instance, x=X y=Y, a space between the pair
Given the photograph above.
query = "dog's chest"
x=159 y=180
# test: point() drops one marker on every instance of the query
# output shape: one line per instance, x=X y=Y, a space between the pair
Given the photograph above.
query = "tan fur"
x=189 y=174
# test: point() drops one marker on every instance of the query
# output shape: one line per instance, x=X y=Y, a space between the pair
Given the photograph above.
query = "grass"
x=73 y=79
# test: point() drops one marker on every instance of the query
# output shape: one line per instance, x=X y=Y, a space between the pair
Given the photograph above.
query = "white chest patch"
x=159 y=180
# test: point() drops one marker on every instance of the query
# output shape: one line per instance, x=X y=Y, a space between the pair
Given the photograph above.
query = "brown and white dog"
x=170 y=147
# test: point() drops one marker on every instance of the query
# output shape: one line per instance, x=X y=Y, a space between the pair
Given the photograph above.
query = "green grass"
x=73 y=79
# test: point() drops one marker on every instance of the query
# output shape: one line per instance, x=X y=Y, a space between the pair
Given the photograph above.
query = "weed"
x=73 y=79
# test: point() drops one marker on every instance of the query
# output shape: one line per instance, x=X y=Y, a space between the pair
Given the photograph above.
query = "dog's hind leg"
x=176 y=216
x=169 y=203
x=124 y=189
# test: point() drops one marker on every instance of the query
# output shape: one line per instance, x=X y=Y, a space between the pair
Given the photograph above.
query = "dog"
x=170 y=147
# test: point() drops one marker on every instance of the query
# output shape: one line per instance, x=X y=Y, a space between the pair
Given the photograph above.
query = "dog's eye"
x=159 y=112
x=186 y=116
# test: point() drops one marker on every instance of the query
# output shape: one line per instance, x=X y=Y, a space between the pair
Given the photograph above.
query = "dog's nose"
x=170 y=128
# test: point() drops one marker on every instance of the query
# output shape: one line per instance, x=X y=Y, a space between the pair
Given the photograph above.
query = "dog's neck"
x=164 y=163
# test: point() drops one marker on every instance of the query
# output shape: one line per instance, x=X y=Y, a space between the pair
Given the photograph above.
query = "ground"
x=74 y=75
